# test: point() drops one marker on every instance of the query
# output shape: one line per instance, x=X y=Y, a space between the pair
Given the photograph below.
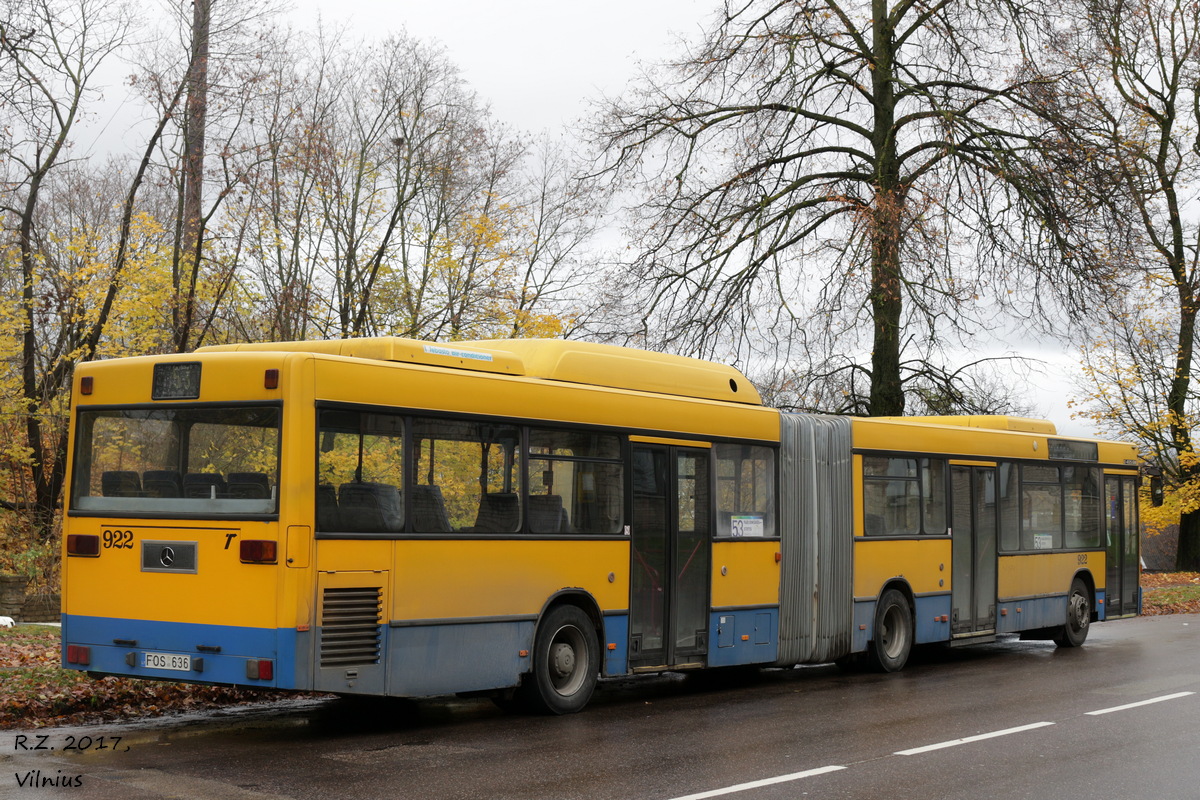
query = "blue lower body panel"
x=864 y=624
x=616 y=644
x=1031 y=613
x=440 y=659
x=218 y=652
x=932 y=618
x=743 y=636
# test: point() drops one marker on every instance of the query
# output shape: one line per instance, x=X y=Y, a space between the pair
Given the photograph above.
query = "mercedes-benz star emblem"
x=167 y=556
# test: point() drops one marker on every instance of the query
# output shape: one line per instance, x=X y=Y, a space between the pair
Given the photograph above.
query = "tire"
x=566 y=663
x=1079 y=616
x=893 y=640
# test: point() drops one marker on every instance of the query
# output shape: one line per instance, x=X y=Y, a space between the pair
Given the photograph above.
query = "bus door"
x=671 y=553
x=973 y=577
x=1121 y=588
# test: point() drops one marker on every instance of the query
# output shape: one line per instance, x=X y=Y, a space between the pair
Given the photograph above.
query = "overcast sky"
x=535 y=61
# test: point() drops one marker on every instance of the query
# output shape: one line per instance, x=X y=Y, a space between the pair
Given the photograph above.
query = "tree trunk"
x=887 y=393
x=1187 y=557
x=41 y=460
x=188 y=269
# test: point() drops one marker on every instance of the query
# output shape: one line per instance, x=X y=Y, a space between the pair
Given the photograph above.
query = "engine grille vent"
x=350 y=626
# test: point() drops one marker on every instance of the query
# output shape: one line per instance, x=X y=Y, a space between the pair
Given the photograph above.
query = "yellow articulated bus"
x=394 y=517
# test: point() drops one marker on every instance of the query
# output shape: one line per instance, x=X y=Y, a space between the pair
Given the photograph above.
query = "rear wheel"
x=1079 y=616
x=893 y=641
x=566 y=663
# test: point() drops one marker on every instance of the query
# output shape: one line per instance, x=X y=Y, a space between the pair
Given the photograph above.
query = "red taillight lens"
x=260 y=669
x=271 y=379
x=258 y=551
x=83 y=544
x=85 y=384
x=79 y=654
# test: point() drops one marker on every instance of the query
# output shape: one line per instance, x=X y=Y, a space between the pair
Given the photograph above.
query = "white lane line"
x=1175 y=696
x=969 y=739
x=742 y=787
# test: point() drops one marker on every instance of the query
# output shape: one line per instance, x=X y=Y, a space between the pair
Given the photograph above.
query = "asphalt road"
x=1114 y=719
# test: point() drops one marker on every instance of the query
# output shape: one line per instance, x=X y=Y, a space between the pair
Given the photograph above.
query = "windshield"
x=177 y=461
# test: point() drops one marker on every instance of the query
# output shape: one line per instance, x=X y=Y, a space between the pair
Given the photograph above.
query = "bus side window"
x=361 y=454
x=1041 y=508
x=1083 y=505
x=745 y=490
x=575 y=481
x=933 y=495
x=1007 y=507
x=456 y=465
x=891 y=496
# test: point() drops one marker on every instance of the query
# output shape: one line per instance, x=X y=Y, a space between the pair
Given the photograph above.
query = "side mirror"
x=1156 y=490
x=1156 y=484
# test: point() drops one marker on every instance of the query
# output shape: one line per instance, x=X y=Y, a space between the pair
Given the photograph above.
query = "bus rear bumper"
x=175 y=651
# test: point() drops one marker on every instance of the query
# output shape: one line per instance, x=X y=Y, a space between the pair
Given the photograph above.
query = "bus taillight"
x=258 y=551
x=260 y=669
x=79 y=654
x=83 y=544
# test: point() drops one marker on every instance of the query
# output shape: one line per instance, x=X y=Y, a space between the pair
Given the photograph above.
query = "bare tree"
x=49 y=53
x=857 y=165
x=278 y=214
x=220 y=56
x=559 y=219
x=1134 y=93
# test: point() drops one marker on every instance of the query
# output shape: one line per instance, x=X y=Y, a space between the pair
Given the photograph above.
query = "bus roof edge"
x=997 y=422
x=548 y=359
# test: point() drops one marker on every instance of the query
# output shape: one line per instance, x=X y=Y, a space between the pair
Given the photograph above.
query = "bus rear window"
x=177 y=461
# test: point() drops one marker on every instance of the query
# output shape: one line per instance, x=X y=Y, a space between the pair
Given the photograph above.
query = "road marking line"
x=1142 y=703
x=955 y=742
x=742 y=787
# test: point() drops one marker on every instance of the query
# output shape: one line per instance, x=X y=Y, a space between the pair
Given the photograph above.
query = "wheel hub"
x=562 y=659
x=1080 y=613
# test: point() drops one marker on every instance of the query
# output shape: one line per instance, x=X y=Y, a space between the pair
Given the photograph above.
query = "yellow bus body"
x=261 y=598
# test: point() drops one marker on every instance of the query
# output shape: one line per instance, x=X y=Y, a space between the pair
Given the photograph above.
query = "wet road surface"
x=1114 y=719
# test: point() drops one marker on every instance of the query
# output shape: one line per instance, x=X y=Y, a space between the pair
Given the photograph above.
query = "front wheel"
x=1079 y=616
x=893 y=640
x=566 y=663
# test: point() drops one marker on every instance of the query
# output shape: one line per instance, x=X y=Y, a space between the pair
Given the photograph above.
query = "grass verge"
x=1171 y=593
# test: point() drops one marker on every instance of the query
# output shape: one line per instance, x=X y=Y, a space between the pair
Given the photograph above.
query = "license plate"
x=167 y=661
